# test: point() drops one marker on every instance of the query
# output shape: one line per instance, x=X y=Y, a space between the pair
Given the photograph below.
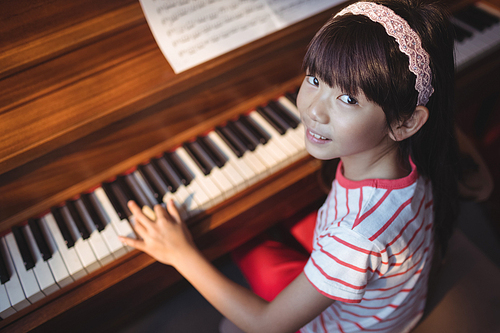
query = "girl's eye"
x=348 y=99
x=312 y=80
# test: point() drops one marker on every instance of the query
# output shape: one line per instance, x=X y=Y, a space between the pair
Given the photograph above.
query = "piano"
x=92 y=115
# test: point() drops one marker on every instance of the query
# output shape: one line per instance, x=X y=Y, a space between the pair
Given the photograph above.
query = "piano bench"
x=465 y=294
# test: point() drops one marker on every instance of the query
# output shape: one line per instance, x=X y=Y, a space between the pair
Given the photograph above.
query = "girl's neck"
x=385 y=166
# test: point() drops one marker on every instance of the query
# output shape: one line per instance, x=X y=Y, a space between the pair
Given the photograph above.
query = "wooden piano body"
x=86 y=95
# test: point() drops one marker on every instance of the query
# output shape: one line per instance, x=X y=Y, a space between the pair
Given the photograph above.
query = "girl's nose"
x=318 y=112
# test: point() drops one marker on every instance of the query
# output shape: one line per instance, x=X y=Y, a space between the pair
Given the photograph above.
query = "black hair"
x=354 y=53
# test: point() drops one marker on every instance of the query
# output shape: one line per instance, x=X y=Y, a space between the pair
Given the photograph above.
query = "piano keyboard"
x=477 y=30
x=80 y=236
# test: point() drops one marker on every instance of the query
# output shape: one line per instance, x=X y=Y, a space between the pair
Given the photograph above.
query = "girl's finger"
x=161 y=212
x=135 y=243
x=172 y=210
x=138 y=214
x=140 y=229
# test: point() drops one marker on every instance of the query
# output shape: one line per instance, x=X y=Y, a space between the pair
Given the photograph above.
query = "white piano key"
x=27 y=278
x=187 y=202
x=69 y=255
x=41 y=269
x=82 y=246
x=56 y=263
x=13 y=287
x=239 y=165
x=96 y=241
x=223 y=183
x=199 y=192
x=6 y=309
x=122 y=227
x=108 y=233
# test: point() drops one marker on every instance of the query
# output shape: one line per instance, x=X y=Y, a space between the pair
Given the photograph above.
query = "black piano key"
x=122 y=197
x=94 y=216
x=63 y=228
x=165 y=177
x=227 y=140
x=472 y=18
x=212 y=151
x=460 y=33
x=43 y=247
x=292 y=97
x=114 y=201
x=82 y=229
x=283 y=114
x=127 y=191
x=271 y=120
x=151 y=183
x=198 y=160
x=29 y=261
x=241 y=136
x=4 y=272
x=135 y=189
x=255 y=129
x=178 y=167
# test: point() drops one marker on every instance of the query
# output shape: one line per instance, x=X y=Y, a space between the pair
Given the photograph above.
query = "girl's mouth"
x=316 y=138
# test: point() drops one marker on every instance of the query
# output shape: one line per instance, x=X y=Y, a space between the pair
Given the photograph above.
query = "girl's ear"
x=406 y=128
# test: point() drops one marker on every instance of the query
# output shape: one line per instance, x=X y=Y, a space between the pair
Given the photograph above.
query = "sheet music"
x=190 y=32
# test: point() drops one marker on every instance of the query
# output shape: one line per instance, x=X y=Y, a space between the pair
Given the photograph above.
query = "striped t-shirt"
x=372 y=252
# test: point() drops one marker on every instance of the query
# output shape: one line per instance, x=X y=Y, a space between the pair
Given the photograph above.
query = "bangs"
x=354 y=54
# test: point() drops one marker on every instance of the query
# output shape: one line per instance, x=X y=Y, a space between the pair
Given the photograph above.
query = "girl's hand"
x=165 y=239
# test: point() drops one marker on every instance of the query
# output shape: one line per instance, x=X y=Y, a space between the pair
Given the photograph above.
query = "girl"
x=378 y=95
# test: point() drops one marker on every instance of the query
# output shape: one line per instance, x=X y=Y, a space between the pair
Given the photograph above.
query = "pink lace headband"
x=408 y=40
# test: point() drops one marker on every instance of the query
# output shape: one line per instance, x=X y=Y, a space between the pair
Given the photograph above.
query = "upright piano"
x=91 y=115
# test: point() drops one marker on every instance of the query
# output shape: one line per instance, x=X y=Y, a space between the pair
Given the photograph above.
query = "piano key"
x=140 y=196
x=6 y=309
x=271 y=162
x=41 y=268
x=253 y=162
x=24 y=250
x=243 y=169
x=267 y=115
x=109 y=233
x=99 y=223
x=177 y=168
x=13 y=286
x=481 y=43
x=288 y=147
x=204 y=190
x=111 y=197
x=216 y=175
x=292 y=97
x=95 y=240
x=242 y=138
x=40 y=239
x=283 y=114
x=165 y=176
x=184 y=199
x=55 y=262
x=205 y=168
x=4 y=273
x=229 y=169
x=124 y=187
x=122 y=199
x=238 y=151
x=69 y=255
x=63 y=228
x=122 y=226
x=145 y=180
x=260 y=134
x=212 y=151
x=83 y=249
x=82 y=229
x=26 y=277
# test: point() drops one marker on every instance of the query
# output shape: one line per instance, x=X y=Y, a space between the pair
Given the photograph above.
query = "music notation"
x=192 y=32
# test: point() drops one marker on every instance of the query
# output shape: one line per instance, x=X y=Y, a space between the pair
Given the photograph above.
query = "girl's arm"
x=168 y=240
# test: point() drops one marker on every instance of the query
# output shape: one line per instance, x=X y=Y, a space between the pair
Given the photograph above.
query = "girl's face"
x=341 y=125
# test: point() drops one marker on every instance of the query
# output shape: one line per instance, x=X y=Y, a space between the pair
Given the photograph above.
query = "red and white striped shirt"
x=372 y=253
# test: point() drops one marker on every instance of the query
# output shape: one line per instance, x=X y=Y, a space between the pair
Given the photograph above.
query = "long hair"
x=354 y=53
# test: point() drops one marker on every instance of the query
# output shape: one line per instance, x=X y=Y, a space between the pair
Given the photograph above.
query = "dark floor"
x=188 y=312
